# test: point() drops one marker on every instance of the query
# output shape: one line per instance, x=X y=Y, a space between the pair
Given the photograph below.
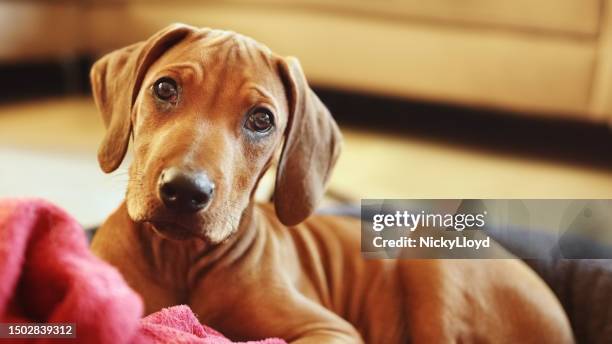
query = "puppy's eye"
x=260 y=120
x=165 y=89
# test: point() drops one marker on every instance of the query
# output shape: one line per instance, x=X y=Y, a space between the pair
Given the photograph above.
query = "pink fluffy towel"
x=48 y=275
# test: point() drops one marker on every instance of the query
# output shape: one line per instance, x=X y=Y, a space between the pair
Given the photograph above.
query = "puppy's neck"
x=180 y=263
x=235 y=245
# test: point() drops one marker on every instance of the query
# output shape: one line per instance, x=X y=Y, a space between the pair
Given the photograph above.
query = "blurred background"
x=436 y=99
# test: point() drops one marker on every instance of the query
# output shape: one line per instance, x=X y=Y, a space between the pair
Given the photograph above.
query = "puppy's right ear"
x=312 y=146
x=116 y=80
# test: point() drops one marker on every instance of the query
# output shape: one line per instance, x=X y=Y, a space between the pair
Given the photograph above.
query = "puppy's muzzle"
x=185 y=191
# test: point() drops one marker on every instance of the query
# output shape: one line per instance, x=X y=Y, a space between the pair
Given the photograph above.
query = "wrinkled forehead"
x=217 y=57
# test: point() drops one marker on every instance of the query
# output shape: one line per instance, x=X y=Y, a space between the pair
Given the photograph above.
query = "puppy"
x=206 y=111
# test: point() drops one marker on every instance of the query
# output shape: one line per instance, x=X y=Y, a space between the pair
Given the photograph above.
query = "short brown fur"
x=256 y=270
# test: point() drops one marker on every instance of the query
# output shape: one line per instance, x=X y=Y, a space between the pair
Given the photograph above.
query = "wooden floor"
x=47 y=149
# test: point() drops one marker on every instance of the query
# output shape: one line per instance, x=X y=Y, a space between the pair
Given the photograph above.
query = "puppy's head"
x=206 y=111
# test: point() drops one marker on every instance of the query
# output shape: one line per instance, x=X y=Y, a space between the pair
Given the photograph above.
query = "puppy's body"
x=207 y=111
x=309 y=284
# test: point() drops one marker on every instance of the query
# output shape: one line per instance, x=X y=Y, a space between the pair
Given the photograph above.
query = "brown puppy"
x=207 y=111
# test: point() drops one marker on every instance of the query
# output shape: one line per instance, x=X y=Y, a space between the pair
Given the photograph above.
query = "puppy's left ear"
x=312 y=146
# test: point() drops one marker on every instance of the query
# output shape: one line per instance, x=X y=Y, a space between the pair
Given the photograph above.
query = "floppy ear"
x=312 y=146
x=116 y=80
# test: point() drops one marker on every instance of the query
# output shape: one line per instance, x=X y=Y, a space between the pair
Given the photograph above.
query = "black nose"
x=185 y=191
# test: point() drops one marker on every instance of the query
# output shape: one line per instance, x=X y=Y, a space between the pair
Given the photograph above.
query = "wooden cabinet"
x=540 y=57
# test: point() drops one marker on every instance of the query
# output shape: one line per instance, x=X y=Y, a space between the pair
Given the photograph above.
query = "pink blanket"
x=48 y=275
